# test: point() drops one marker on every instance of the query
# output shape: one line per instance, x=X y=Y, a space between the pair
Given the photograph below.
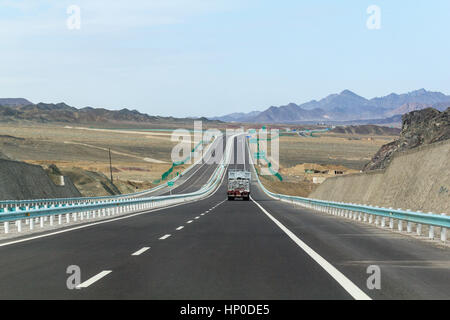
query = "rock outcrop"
x=419 y=128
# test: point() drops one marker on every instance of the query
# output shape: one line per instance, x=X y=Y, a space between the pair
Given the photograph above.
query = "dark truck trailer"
x=238 y=184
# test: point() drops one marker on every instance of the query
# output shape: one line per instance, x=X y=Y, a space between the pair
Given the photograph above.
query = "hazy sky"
x=212 y=57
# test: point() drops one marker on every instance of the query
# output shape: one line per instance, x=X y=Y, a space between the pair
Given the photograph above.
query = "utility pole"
x=110 y=165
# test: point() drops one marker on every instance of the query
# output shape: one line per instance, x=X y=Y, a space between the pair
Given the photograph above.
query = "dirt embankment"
x=417 y=179
x=22 y=181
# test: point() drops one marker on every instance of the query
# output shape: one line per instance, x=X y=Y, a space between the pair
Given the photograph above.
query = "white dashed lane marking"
x=140 y=251
x=164 y=237
x=190 y=221
x=95 y=278
x=180 y=227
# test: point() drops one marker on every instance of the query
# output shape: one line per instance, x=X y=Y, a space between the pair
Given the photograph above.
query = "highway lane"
x=224 y=250
x=196 y=177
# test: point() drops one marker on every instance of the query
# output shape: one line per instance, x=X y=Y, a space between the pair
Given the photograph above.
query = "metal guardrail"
x=27 y=204
x=370 y=214
x=78 y=211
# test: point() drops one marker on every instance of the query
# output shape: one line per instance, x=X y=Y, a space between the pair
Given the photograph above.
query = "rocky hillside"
x=366 y=129
x=61 y=112
x=14 y=102
x=418 y=128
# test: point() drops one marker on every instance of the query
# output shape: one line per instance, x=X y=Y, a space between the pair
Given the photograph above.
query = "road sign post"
x=170 y=184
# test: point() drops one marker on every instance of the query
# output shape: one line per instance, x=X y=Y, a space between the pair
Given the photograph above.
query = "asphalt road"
x=218 y=249
x=197 y=176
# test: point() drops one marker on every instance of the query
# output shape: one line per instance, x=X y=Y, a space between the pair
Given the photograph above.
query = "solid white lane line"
x=180 y=227
x=349 y=286
x=95 y=278
x=164 y=237
x=190 y=221
x=140 y=251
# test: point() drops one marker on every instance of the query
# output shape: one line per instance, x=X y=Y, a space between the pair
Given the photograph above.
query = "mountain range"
x=345 y=106
x=23 y=110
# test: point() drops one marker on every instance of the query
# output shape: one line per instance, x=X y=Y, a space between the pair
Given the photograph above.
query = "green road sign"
x=170 y=183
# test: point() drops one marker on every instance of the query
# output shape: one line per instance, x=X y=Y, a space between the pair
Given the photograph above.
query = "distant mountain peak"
x=420 y=91
x=347 y=92
x=14 y=102
x=348 y=106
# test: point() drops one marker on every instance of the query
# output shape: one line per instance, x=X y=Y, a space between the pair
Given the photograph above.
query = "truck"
x=238 y=184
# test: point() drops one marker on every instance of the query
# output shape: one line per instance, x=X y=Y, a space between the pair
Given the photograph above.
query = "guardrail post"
x=408 y=224
x=41 y=221
x=6 y=226
x=51 y=220
x=443 y=231
x=19 y=225
x=383 y=222
x=365 y=217
x=391 y=221
x=400 y=223
x=31 y=223
x=59 y=219
x=370 y=218
x=430 y=230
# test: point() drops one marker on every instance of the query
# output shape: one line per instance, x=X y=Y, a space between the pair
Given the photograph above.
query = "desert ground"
x=305 y=160
x=138 y=157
